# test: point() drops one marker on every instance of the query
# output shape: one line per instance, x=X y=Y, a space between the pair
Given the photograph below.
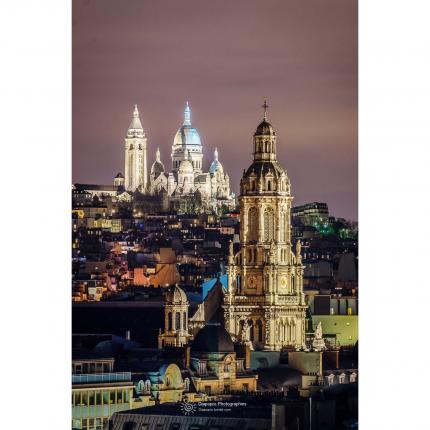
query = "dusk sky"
x=222 y=56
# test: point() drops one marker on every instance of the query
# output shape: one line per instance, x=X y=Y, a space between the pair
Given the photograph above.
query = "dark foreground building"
x=331 y=409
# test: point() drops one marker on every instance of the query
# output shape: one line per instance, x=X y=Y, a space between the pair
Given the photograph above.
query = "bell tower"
x=264 y=304
x=136 y=174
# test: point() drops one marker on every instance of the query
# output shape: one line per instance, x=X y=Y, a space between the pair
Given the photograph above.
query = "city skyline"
x=309 y=77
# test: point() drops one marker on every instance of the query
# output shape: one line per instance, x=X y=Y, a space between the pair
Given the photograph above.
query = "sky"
x=223 y=57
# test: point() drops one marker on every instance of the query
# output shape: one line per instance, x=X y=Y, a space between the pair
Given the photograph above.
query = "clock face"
x=252 y=282
x=284 y=282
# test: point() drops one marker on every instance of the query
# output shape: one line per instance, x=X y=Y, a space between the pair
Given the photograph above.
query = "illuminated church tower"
x=136 y=175
x=264 y=305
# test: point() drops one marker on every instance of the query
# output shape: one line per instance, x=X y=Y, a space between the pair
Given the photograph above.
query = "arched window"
x=252 y=223
x=251 y=330
x=260 y=330
x=140 y=387
x=282 y=226
x=147 y=385
x=241 y=324
x=169 y=321
x=285 y=230
x=178 y=321
x=268 y=225
x=184 y=321
x=269 y=185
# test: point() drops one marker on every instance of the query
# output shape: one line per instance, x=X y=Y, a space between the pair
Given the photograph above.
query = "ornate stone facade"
x=264 y=305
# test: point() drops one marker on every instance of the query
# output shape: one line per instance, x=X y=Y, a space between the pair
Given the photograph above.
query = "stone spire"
x=216 y=154
x=157 y=155
x=135 y=122
x=187 y=114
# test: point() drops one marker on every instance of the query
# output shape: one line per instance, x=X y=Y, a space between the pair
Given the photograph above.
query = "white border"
x=35 y=103
x=394 y=141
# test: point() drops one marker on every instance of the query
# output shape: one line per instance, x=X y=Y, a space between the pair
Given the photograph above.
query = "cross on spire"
x=265 y=106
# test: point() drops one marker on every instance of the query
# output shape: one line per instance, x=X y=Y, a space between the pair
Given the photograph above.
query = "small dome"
x=186 y=167
x=216 y=166
x=157 y=167
x=119 y=175
x=212 y=338
x=176 y=295
x=264 y=128
x=262 y=169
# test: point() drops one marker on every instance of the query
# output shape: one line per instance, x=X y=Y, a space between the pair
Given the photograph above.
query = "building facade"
x=311 y=213
x=215 y=368
x=265 y=305
x=98 y=392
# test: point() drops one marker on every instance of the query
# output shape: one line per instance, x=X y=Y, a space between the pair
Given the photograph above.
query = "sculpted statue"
x=318 y=344
x=245 y=332
x=298 y=248
x=272 y=252
x=318 y=331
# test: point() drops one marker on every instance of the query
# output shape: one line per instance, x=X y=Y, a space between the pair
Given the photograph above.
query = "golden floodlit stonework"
x=264 y=305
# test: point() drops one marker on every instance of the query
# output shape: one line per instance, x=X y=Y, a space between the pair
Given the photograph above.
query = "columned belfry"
x=264 y=305
x=175 y=319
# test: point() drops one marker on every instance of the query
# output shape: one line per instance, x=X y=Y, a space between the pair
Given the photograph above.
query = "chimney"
x=127 y=334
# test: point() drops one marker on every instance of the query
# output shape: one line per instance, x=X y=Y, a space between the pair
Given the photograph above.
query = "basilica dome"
x=187 y=135
x=212 y=338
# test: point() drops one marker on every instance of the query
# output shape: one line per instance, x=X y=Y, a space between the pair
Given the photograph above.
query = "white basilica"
x=186 y=177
